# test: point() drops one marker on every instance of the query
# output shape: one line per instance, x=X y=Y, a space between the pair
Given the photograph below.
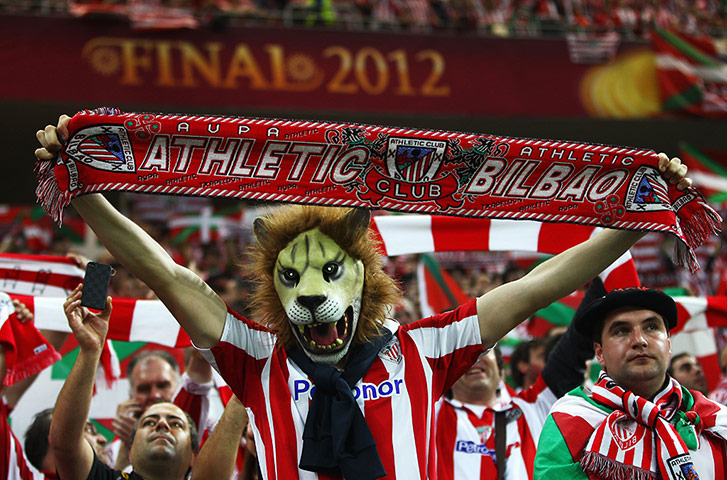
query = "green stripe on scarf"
x=557 y=313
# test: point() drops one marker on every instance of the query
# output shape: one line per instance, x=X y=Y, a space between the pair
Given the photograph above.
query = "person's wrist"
x=91 y=351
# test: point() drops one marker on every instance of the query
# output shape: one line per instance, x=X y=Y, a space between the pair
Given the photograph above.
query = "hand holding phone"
x=96 y=285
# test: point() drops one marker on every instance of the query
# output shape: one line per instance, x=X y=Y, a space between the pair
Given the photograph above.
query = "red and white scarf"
x=637 y=440
x=26 y=351
x=407 y=234
x=422 y=171
x=42 y=282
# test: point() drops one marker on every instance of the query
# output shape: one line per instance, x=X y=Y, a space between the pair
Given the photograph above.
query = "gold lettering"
x=166 y=74
x=133 y=60
x=402 y=69
x=208 y=66
x=429 y=87
x=243 y=65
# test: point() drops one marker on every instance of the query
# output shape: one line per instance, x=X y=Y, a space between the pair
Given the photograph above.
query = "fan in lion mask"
x=331 y=386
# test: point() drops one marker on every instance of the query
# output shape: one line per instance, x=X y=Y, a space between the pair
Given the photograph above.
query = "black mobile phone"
x=96 y=285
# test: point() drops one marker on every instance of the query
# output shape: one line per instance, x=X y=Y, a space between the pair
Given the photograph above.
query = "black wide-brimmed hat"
x=640 y=297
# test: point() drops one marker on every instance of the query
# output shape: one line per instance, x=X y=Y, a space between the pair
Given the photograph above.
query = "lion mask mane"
x=349 y=229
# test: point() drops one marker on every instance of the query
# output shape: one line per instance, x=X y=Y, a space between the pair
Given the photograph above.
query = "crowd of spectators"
x=219 y=258
x=628 y=18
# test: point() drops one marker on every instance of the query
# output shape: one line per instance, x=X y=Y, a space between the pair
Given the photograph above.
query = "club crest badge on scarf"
x=624 y=431
x=682 y=468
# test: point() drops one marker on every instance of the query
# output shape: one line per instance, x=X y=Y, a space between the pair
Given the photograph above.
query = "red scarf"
x=27 y=352
x=653 y=442
x=424 y=171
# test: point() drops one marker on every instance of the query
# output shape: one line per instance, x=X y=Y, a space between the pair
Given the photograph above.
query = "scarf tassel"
x=48 y=192
x=604 y=467
x=30 y=367
x=702 y=223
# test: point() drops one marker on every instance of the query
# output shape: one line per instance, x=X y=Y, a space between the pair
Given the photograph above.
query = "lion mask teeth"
x=325 y=336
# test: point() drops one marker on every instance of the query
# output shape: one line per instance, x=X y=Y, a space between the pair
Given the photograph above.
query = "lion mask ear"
x=260 y=230
x=356 y=221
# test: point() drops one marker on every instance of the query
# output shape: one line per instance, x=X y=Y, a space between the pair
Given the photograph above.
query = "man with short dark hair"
x=527 y=362
x=164 y=440
x=153 y=376
x=687 y=370
x=637 y=421
x=38 y=450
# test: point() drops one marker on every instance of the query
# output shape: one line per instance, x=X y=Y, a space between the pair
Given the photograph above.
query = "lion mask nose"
x=311 y=302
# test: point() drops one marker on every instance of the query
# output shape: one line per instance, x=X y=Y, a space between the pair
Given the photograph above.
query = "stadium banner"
x=97 y=62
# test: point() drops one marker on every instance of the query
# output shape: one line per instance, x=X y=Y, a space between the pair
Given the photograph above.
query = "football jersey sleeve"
x=451 y=342
x=242 y=352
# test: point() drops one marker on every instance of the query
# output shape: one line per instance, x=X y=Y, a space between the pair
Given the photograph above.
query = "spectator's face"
x=537 y=360
x=635 y=348
x=97 y=441
x=162 y=436
x=688 y=371
x=482 y=379
x=152 y=379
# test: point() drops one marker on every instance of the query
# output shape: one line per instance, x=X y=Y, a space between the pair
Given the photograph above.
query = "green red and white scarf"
x=638 y=439
x=422 y=171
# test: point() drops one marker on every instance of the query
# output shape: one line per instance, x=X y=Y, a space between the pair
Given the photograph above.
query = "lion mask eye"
x=289 y=277
x=332 y=271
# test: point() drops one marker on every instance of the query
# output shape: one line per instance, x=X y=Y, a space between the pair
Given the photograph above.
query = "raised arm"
x=73 y=454
x=502 y=309
x=216 y=458
x=198 y=309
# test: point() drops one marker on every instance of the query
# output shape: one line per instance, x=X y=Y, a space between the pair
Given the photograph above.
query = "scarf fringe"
x=27 y=369
x=48 y=192
x=702 y=223
x=604 y=467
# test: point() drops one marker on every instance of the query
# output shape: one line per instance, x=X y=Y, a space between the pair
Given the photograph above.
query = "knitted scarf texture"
x=640 y=437
x=422 y=171
x=27 y=352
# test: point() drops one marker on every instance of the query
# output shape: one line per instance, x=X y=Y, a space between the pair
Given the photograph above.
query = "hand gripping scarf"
x=637 y=439
x=423 y=171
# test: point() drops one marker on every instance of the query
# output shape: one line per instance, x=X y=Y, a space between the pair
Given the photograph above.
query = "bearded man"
x=331 y=386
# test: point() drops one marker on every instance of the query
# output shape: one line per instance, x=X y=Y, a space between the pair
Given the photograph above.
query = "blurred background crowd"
x=628 y=18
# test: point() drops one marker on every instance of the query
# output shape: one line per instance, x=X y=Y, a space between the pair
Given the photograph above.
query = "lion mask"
x=320 y=280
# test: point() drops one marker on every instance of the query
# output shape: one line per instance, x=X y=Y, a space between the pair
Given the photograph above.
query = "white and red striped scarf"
x=652 y=443
x=406 y=234
x=131 y=320
x=42 y=282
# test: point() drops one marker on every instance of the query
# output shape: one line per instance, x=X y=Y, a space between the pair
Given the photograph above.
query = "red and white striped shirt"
x=13 y=464
x=397 y=395
x=466 y=436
